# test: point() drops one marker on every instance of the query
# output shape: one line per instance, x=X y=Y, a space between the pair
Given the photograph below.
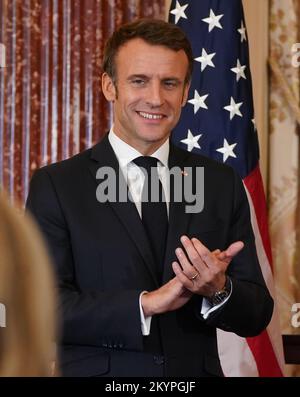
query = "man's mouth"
x=150 y=116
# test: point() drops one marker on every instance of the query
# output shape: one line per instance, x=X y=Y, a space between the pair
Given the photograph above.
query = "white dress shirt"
x=134 y=175
x=135 y=179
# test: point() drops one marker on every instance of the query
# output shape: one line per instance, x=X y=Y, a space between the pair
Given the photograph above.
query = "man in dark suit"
x=134 y=302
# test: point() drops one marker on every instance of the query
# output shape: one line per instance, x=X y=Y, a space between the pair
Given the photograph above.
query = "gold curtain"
x=51 y=105
x=284 y=159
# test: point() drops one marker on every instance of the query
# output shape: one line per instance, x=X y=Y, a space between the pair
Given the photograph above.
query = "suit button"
x=159 y=360
x=104 y=344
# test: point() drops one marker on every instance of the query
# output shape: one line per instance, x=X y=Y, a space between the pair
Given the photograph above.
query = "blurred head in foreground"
x=27 y=302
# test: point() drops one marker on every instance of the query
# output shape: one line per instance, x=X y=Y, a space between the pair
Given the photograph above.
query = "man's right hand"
x=169 y=297
x=173 y=295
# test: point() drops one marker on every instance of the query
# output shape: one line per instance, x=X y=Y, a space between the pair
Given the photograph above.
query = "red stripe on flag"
x=261 y=346
x=264 y=355
x=255 y=188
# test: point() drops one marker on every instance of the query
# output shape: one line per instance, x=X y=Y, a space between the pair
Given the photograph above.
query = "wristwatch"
x=219 y=296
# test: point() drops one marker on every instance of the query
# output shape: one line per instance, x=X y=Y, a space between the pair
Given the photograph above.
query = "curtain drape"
x=51 y=105
x=284 y=159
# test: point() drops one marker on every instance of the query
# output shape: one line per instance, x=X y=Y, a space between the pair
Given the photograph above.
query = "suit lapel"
x=102 y=155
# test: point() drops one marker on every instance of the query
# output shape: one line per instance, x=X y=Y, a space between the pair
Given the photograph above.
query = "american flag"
x=218 y=121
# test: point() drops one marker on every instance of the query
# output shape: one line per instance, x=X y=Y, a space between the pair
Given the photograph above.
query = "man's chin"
x=153 y=135
x=159 y=140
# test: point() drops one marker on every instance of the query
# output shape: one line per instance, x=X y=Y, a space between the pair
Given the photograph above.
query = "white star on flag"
x=227 y=150
x=198 y=101
x=234 y=108
x=239 y=70
x=242 y=32
x=213 y=21
x=206 y=59
x=179 y=11
x=191 y=141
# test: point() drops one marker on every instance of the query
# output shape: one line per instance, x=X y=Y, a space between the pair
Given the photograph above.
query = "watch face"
x=219 y=297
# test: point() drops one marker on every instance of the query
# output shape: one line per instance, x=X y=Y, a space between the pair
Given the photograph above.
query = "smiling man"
x=143 y=283
x=148 y=89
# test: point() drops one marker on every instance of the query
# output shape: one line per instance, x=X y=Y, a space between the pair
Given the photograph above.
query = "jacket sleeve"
x=105 y=319
x=250 y=307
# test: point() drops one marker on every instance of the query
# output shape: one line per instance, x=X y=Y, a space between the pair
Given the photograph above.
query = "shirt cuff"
x=207 y=308
x=145 y=321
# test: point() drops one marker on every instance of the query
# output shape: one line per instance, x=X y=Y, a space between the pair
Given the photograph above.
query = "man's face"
x=148 y=93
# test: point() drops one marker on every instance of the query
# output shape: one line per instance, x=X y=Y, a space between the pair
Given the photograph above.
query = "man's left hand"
x=200 y=270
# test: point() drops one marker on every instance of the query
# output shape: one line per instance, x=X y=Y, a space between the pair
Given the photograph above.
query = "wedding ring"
x=194 y=276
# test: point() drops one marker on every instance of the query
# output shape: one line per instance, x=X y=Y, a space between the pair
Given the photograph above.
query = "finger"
x=231 y=251
x=184 y=262
x=234 y=249
x=193 y=255
x=221 y=255
x=181 y=276
x=204 y=253
x=227 y=255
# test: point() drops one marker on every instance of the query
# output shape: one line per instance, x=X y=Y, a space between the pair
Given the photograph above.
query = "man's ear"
x=185 y=93
x=108 y=88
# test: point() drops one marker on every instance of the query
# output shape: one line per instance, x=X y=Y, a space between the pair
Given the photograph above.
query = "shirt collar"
x=126 y=153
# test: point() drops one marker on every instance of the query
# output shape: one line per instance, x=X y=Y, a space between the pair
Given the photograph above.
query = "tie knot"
x=146 y=162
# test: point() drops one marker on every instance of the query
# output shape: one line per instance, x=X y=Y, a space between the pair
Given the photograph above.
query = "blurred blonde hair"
x=27 y=292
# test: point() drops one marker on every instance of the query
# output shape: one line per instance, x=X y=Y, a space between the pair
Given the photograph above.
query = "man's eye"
x=170 y=84
x=138 y=82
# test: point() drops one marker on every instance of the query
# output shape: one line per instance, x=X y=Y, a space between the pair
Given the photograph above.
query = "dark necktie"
x=154 y=210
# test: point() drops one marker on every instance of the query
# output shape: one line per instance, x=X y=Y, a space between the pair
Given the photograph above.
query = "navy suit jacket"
x=103 y=262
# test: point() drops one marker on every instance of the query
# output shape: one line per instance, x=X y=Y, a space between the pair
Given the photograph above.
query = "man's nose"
x=155 y=95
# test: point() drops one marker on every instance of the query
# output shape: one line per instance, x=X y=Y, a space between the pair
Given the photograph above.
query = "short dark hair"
x=152 y=31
